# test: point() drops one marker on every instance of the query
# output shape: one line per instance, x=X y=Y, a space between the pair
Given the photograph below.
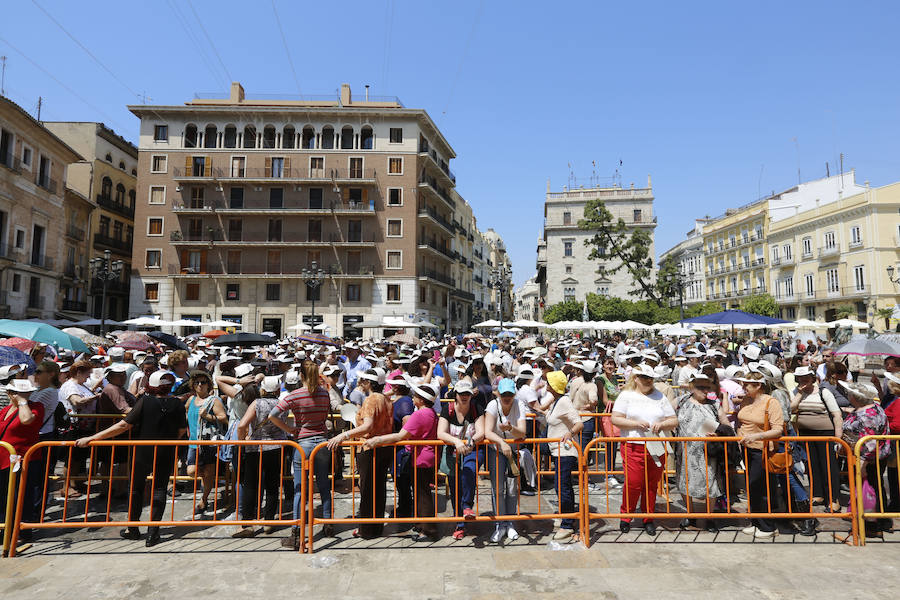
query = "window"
x=278 y=167
x=829 y=239
x=568 y=294
x=759 y=232
x=775 y=255
x=314 y=230
x=356 y=168
x=154 y=259
x=354 y=230
x=229 y=139
x=273 y=261
x=603 y=291
x=859 y=278
x=155 y=226
x=396 y=135
x=423 y=294
x=268 y=137
x=395 y=228
x=347 y=138
x=831 y=280
x=807 y=246
x=395 y=166
x=249 y=136
x=160 y=133
x=236 y=198
x=317 y=167
x=273 y=292
x=393 y=292
x=567 y=218
x=210 y=136
x=288 y=136
x=791 y=313
x=787 y=251
x=811 y=313
x=394 y=259
x=158 y=163
x=157 y=194
x=567 y=248
x=366 y=138
x=276 y=198
x=151 y=291
x=238 y=165
x=235 y=230
x=568 y=269
x=315 y=197
x=327 y=138
x=233 y=264
x=638 y=215
x=788 y=286
x=855 y=236
x=104 y=226
x=26 y=157
x=274 y=230
x=809 y=283
x=232 y=291
x=313 y=293
x=308 y=140
x=198 y=194
x=353 y=292
x=192 y=292
x=395 y=197
x=190 y=136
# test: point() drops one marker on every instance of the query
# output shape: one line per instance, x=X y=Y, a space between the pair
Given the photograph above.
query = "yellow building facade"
x=735 y=251
x=837 y=254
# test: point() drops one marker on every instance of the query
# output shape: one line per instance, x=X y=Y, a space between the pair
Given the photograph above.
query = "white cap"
x=588 y=366
x=292 y=377
x=117 y=368
x=751 y=352
x=116 y=352
x=525 y=372
x=645 y=370
x=428 y=391
x=464 y=387
x=272 y=383
x=10 y=370
x=21 y=386
x=803 y=371
x=377 y=375
x=330 y=370
x=156 y=378
x=243 y=369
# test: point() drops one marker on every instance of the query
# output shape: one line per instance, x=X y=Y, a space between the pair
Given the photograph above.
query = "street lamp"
x=499 y=280
x=105 y=270
x=313 y=278
x=678 y=281
x=890 y=271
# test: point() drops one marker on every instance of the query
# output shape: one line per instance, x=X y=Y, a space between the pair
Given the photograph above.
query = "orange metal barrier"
x=873 y=472
x=10 y=499
x=85 y=518
x=734 y=480
x=432 y=474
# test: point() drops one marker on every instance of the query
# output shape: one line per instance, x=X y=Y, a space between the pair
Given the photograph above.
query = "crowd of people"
x=479 y=398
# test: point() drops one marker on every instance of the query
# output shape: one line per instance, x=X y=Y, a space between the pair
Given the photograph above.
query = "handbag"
x=210 y=430
x=778 y=462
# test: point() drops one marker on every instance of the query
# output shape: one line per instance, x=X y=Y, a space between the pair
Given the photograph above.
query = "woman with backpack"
x=207 y=420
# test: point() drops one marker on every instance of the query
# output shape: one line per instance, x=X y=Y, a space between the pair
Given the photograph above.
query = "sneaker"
x=760 y=534
x=498 y=534
x=749 y=530
x=511 y=534
x=614 y=483
x=459 y=533
x=468 y=514
x=563 y=534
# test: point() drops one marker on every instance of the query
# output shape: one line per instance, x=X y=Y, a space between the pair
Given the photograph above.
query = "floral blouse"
x=870 y=420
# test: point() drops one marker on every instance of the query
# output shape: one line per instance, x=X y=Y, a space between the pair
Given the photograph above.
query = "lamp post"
x=890 y=272
x=499 y=280
x=678 y=282
x=313 y=277
x=105 y=270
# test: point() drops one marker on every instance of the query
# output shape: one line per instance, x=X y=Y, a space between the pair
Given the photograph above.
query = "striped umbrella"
x=19 y=343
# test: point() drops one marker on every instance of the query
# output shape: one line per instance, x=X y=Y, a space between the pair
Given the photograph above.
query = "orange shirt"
x=381 y=410
x=753 y=418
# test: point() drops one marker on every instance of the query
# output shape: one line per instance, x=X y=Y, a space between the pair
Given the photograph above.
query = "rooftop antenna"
x=367 y=92
x=40 y=101
x=595 y=181
x=571 y=177
x=3 y=76
x=797 y=146
x=145 y=98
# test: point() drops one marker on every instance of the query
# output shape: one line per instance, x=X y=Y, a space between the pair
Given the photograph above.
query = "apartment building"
x=241 y=197
x=74 y=285
x=108 y=177
x=564 y=271
x=462 y=297
x=735 y=244
x=33 y=235
x=688 y=257
x=501 y=296
x=837 y=253
x=527 y=301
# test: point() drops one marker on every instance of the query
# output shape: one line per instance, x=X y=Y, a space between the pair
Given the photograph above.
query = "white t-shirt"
x=526 y=396
x=49 y=397
x=560 y=420
x=652 y=408
x=516 y=413
x=685 y=374
x=73 y=388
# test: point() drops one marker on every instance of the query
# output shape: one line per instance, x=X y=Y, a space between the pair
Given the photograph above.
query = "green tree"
x=845 y=311
x=761 y=304
x=886 y=314
x=704 y=308
x=667 y=279
x=570 y=310
x=617 y=248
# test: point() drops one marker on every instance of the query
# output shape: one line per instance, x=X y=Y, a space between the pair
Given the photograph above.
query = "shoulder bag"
x=779 y=458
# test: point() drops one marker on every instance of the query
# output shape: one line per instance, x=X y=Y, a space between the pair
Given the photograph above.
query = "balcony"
x=429 y=184
x=73 y=271
x=783 y=261
x=428 y=212
x=785 y=297
x=216 y=237
x=10 y=161
x=41 y=262
x=75 y=232
x=301 y=208
x=855 y=291
x=257 y=175
x=116 y=207
x=115 y=286
x=439 y=277
x=431 y=244
x=119 y=246
x=478 y=279
x=262 y=269
x=439 y=165
x=463 y=295
x=74 y=306
x=829 y=251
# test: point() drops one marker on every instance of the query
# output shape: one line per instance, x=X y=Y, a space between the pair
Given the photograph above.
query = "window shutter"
x=207 y=166
x=268 y=172
x=184 y=259
x=187 y=166
x=287 y=167
x=203 y=261
x=365 y=195
x=345 y=194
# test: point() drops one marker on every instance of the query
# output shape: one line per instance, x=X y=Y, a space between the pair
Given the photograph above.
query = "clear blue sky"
x=707 y=98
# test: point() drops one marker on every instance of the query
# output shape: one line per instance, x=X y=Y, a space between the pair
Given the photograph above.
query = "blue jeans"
x=564 y=466
x=321 y=468
x=462 y=488
x=501 y=486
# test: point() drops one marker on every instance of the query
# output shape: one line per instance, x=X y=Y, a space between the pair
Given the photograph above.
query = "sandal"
x=201 y=508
